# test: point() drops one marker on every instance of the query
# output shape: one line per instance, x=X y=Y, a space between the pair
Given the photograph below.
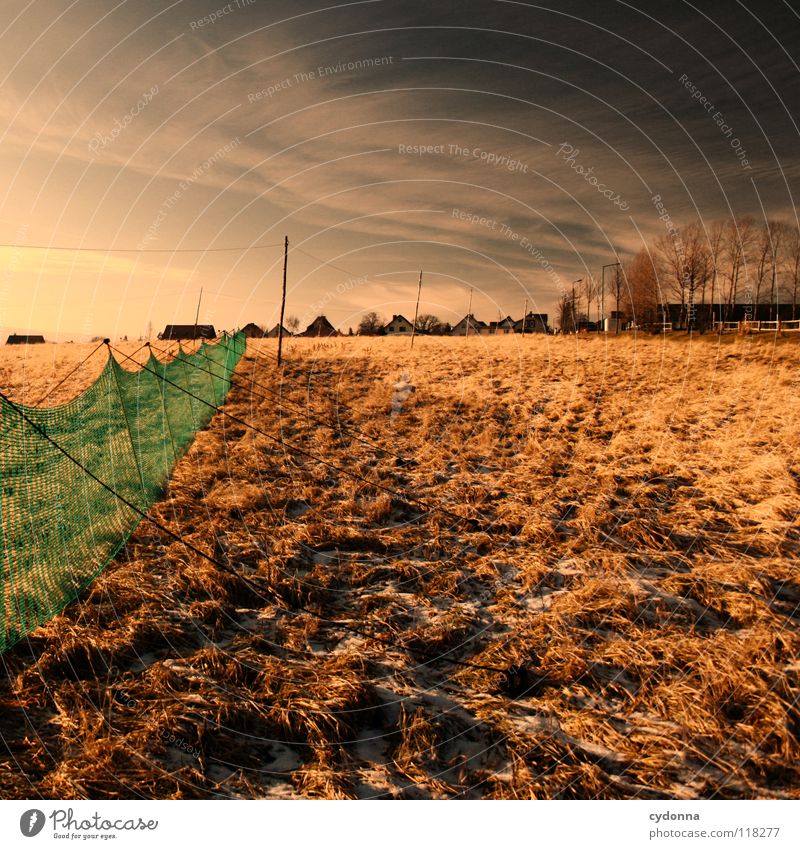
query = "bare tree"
x=371 y=324
x=293 y=323
x=428 y=323
x=761 y=263
x=641 y=295
x=792 y=266
x=737 y=243
x=566 y=313
x=590 y=293
x=716 y=241
x=686 y=261
x=777 y=230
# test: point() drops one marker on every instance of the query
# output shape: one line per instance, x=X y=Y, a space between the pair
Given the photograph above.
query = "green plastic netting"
x=59 y=527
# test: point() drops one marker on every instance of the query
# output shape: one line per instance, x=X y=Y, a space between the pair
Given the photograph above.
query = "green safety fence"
x=58 y=526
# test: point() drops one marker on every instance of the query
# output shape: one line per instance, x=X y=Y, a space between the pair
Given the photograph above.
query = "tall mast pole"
x=416 y=310
x=197 y=314
x=283 y=298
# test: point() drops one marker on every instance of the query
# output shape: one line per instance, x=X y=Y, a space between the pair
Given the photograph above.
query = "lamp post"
x=603 y=291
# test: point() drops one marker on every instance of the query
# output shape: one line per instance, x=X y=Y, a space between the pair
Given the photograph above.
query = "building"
x=320 y=326
x=15 y=339
x=533 y=322
x=398 y=326
x=275 y=332
x=470 y=326
x=505 y=325
x=188 y=331
x=253 y=331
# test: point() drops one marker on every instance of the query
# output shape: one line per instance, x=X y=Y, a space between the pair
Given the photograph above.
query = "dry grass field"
x=618 y=618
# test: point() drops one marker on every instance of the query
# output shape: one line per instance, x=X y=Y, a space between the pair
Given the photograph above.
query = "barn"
x=15 y=339
x=188 y=331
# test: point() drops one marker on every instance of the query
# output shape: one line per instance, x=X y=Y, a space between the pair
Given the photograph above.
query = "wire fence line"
x=76 y=479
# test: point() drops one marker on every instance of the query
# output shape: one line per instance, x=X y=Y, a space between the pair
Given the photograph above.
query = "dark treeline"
x=718 y=271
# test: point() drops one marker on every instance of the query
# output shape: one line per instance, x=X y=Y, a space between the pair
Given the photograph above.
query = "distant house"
x=505 y=325
x=188 y=331
x=15 y=339
x=534 y=322
x=469 y=325
x=253 y=331
x=320 y=326
x=275 y=332
x=398 y=326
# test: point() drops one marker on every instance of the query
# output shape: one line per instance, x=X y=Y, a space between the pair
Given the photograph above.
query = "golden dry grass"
x=630 y=580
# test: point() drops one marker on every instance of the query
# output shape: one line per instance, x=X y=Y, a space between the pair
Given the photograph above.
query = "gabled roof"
x=540 y=317
x=252 y=331
x=275 y=332
x=503 y=322
x=397 y=318
x=320 y=326
x=473 y=322
x=188 y=331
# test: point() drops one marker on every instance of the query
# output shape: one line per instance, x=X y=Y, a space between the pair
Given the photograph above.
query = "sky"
x=508 y=148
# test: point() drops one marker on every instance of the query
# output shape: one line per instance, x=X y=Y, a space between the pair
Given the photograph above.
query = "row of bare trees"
x=699 y=267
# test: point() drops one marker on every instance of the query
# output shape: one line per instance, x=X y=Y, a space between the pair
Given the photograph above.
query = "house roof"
x=188 y=331
x=320 y=326
x=473 y=322
x=397 y=318
x=540 y=317
x=17 y=339
x=252 y=330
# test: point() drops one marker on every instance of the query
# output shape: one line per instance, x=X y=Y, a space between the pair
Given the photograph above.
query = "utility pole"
x=525 y=317
x=416 y=310
x=469 y=313
x=197 y=314
x=283 y=298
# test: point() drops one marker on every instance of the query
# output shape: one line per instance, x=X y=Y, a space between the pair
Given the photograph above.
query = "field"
x=615 y=617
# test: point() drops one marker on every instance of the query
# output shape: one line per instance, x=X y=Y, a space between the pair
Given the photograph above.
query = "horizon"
x=510 y=160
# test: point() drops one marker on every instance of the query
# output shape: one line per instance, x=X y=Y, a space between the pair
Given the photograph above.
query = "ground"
x=615 y=615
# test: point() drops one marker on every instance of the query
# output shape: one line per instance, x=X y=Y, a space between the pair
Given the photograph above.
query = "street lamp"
x=603 y=295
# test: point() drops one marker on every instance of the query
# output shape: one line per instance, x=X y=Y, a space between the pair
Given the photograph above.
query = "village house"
x=253 y=331
x=320 y=326
x=276 y=332
x=503 y=326
x=469 y=326
x=398 y=326
x=533 y=322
